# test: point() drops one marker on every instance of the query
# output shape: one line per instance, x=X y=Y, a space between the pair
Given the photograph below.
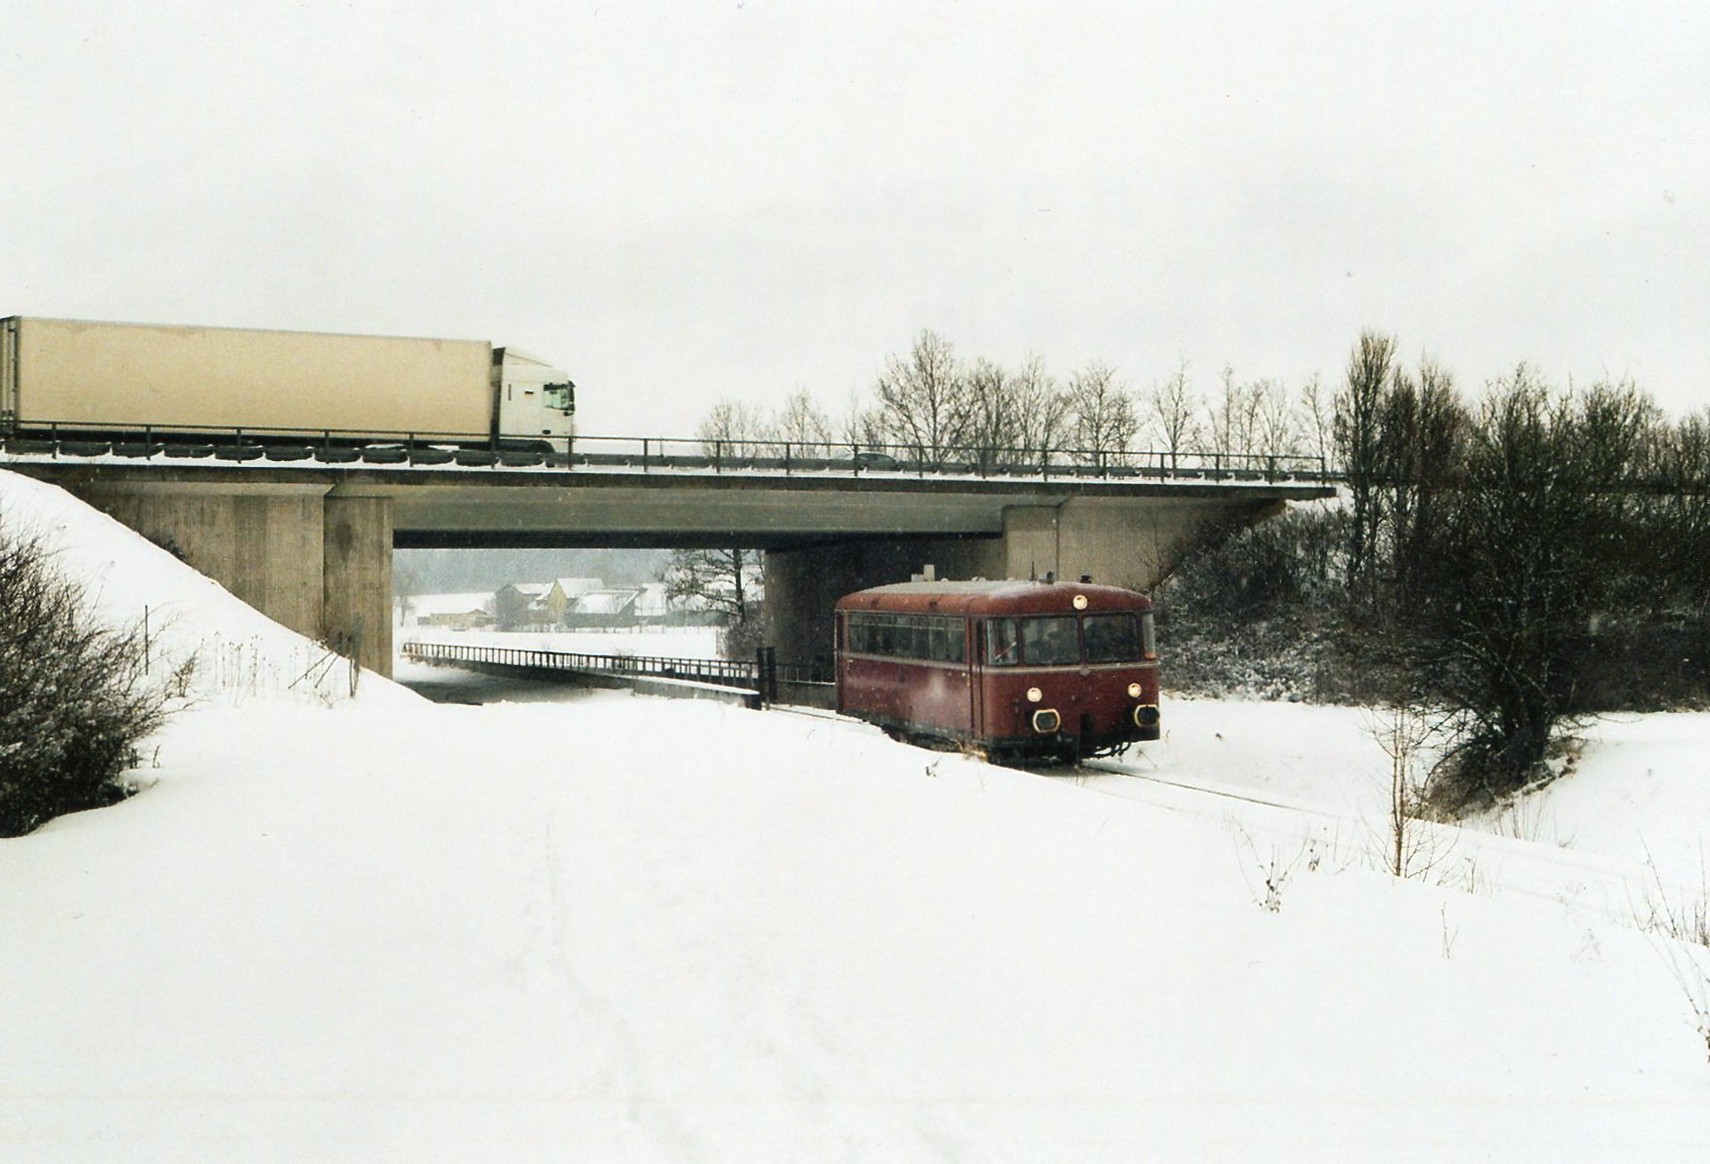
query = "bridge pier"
x=308 y=556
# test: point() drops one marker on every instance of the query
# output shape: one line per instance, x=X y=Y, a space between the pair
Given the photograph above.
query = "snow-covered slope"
x=612 y=927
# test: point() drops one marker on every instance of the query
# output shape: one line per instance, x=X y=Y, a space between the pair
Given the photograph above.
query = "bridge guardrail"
x=746 y=674
x=424 y=449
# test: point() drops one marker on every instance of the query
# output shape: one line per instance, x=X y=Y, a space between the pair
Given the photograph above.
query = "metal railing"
x=690 y=455
x=746 y=674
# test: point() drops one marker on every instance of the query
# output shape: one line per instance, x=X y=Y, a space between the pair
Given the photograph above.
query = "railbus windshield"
x=1064 y=640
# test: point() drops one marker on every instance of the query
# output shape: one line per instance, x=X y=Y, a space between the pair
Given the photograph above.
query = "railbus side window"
x=956 y=640
x=1003 y=644
x=1148 y=636
x=938 y=641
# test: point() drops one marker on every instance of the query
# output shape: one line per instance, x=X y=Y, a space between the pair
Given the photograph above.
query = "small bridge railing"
x=756 y=674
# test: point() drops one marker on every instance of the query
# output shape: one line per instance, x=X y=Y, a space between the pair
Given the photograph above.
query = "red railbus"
x=1021 y=670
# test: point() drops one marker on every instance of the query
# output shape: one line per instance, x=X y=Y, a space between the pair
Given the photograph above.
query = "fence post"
x=766 y=674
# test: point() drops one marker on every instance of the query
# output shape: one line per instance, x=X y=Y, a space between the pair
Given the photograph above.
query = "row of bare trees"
x=1500 y=563
x=1521 y=557
x=932 y=403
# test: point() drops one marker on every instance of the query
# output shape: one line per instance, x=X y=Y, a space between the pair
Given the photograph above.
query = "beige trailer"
x=116 y=376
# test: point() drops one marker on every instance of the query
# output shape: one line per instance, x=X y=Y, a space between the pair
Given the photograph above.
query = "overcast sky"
x=684 y=201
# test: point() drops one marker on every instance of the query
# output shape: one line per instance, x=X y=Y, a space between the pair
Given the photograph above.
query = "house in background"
x=563 y=594
x=603 y=609
x=448 y=611
x=521 y=606
x=652 y=604
x=541 y=606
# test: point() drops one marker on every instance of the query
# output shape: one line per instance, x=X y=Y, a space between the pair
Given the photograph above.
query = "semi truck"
x=71 y=378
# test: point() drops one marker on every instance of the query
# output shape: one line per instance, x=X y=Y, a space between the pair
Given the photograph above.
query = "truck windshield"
x=560 y=396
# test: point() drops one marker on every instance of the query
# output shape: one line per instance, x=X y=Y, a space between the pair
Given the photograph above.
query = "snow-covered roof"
x=605 y=601
x=448 y=603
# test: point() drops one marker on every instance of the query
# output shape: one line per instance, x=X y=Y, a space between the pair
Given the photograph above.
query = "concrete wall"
x=319 y=564
x=1112 y=540
x=1117 y=543
x=356 y=579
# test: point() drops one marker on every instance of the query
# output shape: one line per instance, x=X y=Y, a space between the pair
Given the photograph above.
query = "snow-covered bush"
x=75 y=696
x=739 y=640
x=1256 y=611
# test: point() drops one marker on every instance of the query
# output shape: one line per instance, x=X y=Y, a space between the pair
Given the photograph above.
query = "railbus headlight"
x=1134 y=691
x=1034 y=695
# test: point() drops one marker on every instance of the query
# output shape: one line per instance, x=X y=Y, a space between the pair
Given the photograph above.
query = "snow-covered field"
x=596 y=926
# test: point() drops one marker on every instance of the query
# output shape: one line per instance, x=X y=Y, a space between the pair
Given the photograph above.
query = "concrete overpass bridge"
x=310 y=544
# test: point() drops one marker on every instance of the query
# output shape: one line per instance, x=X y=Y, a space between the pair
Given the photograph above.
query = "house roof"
x=449 y=603
x=605 y=601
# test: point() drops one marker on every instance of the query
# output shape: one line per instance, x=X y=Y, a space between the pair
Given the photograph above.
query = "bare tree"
x=1041 y=409
x=1358 y=441
x=993 y=421
x=728 y=423
x=860 y=424
x=1173 y=411
x=1105 y=418
x=924 y=401
x=725 y=582
x=1403 y=732
x=1275 y=431
x=1421 y=423
x=1232 y=418
x=799 y=422
x=1317 y=420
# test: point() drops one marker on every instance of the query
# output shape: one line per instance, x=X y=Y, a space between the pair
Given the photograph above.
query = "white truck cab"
x=535 y=400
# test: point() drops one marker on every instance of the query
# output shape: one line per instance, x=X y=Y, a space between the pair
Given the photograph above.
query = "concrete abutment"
x=306 y=556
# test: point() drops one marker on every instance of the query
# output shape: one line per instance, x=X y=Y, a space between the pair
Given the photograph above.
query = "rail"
x=761 y=674
x=424 y=449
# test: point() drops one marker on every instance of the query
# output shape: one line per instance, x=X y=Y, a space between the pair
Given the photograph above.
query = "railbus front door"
x=976 y=678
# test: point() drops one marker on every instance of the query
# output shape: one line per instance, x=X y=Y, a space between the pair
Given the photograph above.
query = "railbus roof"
x=1002 y=596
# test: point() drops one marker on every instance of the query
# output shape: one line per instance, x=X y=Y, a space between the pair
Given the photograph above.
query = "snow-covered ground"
x=597 y=926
